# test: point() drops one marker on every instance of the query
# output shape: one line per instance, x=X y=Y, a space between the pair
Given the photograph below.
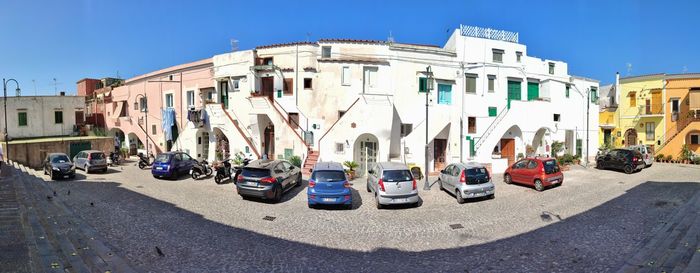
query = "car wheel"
x=492 y=196
x=298 y=183
x=599 y=165
x=368 y=189
x=628 y=169
x=460 y=199
x=507 y=179
x=376 y=202
x=538 y=185
x=86 y=169
x=278 y=194
x=311 y=206
x=440 y=184
x=348 y=207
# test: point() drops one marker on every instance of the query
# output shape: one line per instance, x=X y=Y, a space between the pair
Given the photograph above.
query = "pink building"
x=135 y=112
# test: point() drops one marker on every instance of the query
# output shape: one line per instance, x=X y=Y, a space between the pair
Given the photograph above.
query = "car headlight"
x=55 y=169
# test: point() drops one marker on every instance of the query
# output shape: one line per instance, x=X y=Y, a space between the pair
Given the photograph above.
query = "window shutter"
x=422 y=84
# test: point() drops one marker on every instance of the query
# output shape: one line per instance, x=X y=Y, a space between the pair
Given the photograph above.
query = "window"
x=308 y=83
x=470 y=80
x=236 y=85
x=557 y=117
x=567 y=90
x=190 y=99
x=594 y=95
x=143 y=104
x=422 y=84
x=493 y=111
x=406 y=129
x=518 y=56
x=551 y=68
x=492 y=83
x=675 y=107
x=633 y=99
x=521 y=164
x=22 y=118
x=532 y=164
x=169 y=100
x=471 y=125
x=58 y=117
x=339 y=148
x=650 y=130
x=694 y=139
x=153 y=129
x=346 y=75
x=497 y=55
x=288 y=86
x=326 y=52
x=210 y=96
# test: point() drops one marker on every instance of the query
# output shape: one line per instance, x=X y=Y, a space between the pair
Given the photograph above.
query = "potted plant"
x=659 y=157
x=669 y=158
x=351 y=165
x=686 y=154
x=295 y=160
x=557 y=147
x=529 y=150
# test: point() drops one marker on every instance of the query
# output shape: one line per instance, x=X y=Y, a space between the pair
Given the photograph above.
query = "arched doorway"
x=510 y=144
x=134 y=144
x=541 y=142
x=222 y=150
x=120 y=135
x=202 y=150
x=269 y=141
x=630 y=137
x=365 y=152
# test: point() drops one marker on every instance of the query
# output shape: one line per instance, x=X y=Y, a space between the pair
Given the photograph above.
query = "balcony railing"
x=651 y=109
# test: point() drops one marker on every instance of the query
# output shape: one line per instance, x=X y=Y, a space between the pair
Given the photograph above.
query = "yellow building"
x=608 y=118
x=682 y=114
x=641 y=110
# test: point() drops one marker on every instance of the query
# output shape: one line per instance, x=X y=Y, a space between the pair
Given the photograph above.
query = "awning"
x=694 y=99
x=117 y=110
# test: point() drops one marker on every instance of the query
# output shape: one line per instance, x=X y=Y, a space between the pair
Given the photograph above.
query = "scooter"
x=145 y=161
x=200 y=168
x=223 y=171
x=239 y=169
x=113 y=159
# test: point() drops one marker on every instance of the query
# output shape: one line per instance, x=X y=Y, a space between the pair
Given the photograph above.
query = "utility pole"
x=428 y=87
x=6 y=156
x=588 y=109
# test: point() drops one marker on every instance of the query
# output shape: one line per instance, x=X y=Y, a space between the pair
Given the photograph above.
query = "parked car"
x=535 y=171
x=58 y=165
x=328 y=185
x=268 y=179
x=392 y=183
x=625 y=160
x=646 y=154
x=466 y=181
x=172 y=164
x=91 y=160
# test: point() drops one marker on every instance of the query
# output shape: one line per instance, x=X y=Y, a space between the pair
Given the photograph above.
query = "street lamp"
x=428 y=87
x=144 y=109
x=4 y=89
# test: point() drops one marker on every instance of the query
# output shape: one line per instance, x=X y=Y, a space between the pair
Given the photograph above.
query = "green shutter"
x=422 y=84
x=594 y=95
x=513 y=91
x=493 y=111
x=567 y=91
x=533 y=91
x=22 y=119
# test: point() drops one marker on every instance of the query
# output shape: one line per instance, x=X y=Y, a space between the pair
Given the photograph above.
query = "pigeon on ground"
x=92 y=204
x=54 y=193
x=160 y=253
x=48 y=197
x=68 y=192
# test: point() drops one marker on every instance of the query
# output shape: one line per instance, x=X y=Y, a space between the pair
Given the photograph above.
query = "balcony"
x=651 y=110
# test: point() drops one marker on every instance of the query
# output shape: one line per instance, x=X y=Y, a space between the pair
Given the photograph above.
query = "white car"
x=646 y=153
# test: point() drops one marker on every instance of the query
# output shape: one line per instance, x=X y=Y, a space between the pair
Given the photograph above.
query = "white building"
x=42 y=116
x=364 y=100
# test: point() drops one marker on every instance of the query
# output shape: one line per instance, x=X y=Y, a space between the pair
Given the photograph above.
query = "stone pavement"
x=674 y=245
x=14 y=253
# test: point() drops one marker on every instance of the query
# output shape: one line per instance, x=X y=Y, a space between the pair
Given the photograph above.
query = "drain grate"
x=456 y=226
x=139 y=186
x=269 y=218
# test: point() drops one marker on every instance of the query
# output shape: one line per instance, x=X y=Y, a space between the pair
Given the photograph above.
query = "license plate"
x=554 y=181
x=65 y=176
x=328 y=199
x=401 y=200
x=159 y=168
x=254 y=184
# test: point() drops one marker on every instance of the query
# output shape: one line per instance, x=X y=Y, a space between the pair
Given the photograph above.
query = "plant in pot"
x=295 y=160
x=669 y=158
x=351 y=165
x=686 y=154
x=659 y=157
x=529 y=150
x=557 y=147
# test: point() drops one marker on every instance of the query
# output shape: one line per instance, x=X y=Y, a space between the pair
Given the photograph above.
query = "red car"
x=538 y=172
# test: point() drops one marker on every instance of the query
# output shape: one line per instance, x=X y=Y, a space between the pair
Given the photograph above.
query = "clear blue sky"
x=72 y=39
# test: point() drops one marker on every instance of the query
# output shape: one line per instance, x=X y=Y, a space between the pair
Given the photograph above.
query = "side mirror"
x=291 y=168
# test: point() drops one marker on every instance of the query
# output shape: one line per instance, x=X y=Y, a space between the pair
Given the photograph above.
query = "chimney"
x=62 y=93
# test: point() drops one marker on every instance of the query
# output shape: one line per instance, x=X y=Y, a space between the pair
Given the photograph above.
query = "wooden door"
x=656 y=103
x=79 y=117
x=439 y=153
x=268 y=87
x=508 y=150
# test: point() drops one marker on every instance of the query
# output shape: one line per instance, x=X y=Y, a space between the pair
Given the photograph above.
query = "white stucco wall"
x=40 y=115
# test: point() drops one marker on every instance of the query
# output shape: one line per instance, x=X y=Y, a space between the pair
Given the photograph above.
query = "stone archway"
x=365 y=152
x=541 y=141
x=509 y=145
x=134 y=144
x=630 y=137
x=223 y=148
x=120 y=135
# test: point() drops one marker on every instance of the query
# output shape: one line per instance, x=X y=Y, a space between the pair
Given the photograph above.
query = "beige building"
x=42 y=116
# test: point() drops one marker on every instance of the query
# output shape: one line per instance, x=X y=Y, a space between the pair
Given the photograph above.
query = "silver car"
x=646 y=154
x=466 y=181
x=91 y=160
x=392 y=184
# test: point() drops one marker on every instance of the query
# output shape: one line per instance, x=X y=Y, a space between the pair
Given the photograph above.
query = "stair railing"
x=491 y=128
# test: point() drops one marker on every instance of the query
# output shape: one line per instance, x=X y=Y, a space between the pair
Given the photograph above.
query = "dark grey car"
x=91 y=160
x=58 y=165
x=268 y=179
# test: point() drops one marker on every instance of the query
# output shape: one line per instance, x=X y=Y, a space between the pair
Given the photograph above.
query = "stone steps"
x=674 y=245
x=75 y=244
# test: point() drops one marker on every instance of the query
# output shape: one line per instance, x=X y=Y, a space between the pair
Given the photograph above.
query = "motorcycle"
x=145 y=161
x=113 y=159
x=223 y=171
x=200 y=168
x=239 y=169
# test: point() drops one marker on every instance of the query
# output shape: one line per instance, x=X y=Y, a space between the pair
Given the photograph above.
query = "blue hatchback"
x=171 y=165
x=328 y=185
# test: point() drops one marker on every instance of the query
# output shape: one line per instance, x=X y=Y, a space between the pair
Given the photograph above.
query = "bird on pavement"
x=92 y=204
x=48 y=197
x=160 y=253
x=68 y=192
x=54 y=193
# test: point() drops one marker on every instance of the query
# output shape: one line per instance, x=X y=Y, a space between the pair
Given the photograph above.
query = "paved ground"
x=591 y=223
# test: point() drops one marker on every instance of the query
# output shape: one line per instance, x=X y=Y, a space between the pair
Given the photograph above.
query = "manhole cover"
x=456 y=226
x=269 y=218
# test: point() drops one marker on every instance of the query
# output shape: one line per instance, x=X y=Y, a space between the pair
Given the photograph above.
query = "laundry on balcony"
x=198 y=117
x=168 y=122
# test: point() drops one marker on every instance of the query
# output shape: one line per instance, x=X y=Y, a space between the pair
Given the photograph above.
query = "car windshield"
x=97 y=156
x=163 y=158
x=397 y=175
x=254 y=172
x=550 y=166
x=328 y=176
x=59 y=159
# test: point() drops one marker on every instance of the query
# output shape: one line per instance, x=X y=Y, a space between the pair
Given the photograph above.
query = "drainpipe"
x=461 y=117
x=588 y=109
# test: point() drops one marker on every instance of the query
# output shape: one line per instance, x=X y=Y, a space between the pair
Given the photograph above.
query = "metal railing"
x=681 y=123
x=490 y=129
x=651 y=109
x=488 y=33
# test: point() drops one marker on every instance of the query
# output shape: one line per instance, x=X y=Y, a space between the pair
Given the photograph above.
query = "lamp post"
x=428 y=87
x=5 y=134
x=144 y=109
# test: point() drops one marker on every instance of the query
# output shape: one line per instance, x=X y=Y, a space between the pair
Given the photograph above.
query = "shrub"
x=686 y=153
x=557 y=147
x=659 y=157
x=295 y=160
x=669 y=157
x=696 y=160
x=567 y=159
x=352 y=165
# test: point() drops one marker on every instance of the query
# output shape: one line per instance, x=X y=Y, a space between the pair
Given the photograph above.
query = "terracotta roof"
x=356 y=41
x=285 y=44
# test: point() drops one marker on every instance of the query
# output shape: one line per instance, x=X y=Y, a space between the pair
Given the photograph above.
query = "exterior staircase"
x=671 y=134
x=265 y=105
x=490 y=129
x=311 y=160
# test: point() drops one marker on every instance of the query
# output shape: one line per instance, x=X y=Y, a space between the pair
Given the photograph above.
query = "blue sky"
x=69 y=40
